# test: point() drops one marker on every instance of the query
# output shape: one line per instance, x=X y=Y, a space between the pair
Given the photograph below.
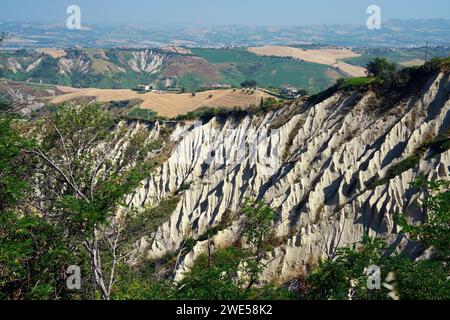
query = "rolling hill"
x=167 y=104
x=190 y=69
x=311 y=68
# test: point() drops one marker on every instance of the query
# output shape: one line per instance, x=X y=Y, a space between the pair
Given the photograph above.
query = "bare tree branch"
x=57 y=168
x=69 y=163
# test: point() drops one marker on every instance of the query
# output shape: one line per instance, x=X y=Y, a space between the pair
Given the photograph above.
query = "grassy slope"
x=239 y=65
x=398 y=56
x=102 y=74
x=234 y=66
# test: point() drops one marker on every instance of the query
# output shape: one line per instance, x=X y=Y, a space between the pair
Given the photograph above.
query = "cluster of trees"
x=381 y=67
x=386 y=80
x=227 y=274
x=249 y=84
x=387 y=76
x=62 y=180
x=234 y=273
x=59 y=193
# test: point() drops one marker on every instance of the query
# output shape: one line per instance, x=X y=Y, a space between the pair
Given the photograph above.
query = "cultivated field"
x=412 y=63
x=55 y=53
x=168 y=104
x=330 y=57
x=238 y=65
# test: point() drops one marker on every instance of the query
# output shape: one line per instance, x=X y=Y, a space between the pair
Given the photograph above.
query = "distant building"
x=145 y=87
x=175 y=90
x=290 y=92
x=221 y=86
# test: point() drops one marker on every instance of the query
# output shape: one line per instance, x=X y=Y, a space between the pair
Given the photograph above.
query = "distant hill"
x=394 y=34
x=191 y=70
x=195 y=69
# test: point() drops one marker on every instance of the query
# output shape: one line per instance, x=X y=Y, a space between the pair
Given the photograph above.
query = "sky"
x=220 y=12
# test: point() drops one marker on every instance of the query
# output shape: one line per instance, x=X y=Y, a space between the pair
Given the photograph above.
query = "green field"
x=142 y=114
x=238 y=65
x=397 y=55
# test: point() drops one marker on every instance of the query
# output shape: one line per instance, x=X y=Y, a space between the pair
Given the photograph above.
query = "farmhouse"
x=220 y=86
x=290 y=92
x=145 y=87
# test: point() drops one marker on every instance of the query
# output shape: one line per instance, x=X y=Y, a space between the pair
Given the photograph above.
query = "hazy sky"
x=221 y=12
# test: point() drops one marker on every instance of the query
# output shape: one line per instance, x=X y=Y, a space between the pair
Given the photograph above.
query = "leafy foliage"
x=144 y=114
x=33 y=256
x=435 y=230
x=12 y=164
x=381 y=67
x=259 y=217
x=227 y=274
x=249 y=84
x=344 y=276
x=83 y=180
x=334 y=278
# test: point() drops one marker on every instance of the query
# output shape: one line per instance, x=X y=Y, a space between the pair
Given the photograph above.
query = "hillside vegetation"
x=191 y=70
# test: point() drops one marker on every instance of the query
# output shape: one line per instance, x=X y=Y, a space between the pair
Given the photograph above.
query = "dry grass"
x=174 y=49
x=412 y=63
x=55 y=53
x=328 y=57
x=167 y=104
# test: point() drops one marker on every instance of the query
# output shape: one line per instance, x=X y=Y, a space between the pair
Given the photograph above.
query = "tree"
x=434 y=232
x=259 y=217
x=33 y=256
x=220 y=280
x=344 y=275
x=249 y=84
x=88 y=164
x=226 y=274
x=382 y=68
x=12 y=164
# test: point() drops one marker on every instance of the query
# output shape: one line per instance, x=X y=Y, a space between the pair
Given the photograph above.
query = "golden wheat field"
x=168 y=104
x=330 y=57
x=55 y=53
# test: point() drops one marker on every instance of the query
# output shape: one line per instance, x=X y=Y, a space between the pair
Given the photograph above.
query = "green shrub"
x=142 y=114
x=435 y=230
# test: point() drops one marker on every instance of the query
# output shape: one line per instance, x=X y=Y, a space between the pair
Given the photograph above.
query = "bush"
x=249 y=84
x=355 y=83
x=434 y=232
x=380 y=67
x=345 y=274
x=142 y=114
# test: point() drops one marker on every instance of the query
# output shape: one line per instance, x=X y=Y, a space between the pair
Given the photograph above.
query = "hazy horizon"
x=187 y=25
x=219 y=13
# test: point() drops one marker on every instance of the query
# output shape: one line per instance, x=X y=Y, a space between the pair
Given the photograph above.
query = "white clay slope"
x=325 y=157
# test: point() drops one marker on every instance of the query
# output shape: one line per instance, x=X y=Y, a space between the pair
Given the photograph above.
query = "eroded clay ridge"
x=327 y=169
